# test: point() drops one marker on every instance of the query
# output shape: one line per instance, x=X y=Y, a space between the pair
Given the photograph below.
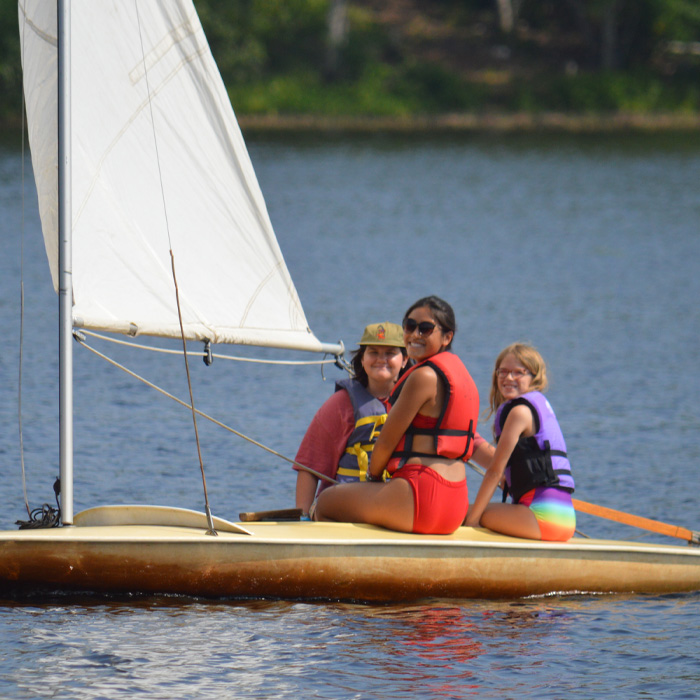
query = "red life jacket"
x=453 y=432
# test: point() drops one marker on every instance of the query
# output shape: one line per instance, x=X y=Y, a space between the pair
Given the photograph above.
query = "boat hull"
x=333 y=561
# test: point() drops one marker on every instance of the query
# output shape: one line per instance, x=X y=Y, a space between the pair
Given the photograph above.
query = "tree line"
x=382 y=57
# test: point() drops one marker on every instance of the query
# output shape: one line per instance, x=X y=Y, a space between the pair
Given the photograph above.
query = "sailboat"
x=155 y=225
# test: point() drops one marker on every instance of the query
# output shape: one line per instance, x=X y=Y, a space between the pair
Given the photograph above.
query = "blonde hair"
x=529 y=358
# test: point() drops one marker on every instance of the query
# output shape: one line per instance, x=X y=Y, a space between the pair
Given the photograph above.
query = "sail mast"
x=65 y=291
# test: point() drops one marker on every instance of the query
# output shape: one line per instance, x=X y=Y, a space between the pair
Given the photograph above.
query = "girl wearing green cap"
x=341 y=435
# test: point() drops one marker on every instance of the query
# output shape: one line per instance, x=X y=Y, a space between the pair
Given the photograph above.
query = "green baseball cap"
x=383 y=334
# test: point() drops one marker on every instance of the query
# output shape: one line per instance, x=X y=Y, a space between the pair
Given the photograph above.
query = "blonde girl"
x=530 y=455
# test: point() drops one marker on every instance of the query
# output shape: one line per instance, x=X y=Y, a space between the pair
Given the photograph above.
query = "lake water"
x=588 y=247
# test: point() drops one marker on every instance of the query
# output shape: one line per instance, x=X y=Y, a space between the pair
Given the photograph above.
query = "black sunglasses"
x=425 y=328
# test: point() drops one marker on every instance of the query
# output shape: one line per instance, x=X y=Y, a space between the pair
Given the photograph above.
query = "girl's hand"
x=471 y=521
x=518 y=423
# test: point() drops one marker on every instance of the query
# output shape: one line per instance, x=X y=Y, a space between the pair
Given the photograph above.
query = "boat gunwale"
x=172 y=534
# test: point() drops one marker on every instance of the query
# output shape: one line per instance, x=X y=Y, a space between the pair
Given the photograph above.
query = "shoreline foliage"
x=409 y=58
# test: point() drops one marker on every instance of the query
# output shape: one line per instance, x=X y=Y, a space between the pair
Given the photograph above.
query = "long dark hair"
x=442 y=312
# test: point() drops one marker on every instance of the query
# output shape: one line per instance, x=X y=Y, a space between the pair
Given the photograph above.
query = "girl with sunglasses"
x=429 y=432
x=341 y=435
x=530 y=454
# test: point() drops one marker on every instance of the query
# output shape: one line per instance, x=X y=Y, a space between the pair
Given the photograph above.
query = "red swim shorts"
x=439 y=505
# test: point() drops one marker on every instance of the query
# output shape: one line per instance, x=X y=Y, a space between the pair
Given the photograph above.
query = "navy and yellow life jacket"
x=370 y=416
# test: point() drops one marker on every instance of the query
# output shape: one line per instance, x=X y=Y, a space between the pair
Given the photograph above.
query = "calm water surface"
x=588 y=248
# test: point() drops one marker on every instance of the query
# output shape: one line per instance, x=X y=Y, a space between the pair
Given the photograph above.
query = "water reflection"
x=443 y=647
x=167 y=648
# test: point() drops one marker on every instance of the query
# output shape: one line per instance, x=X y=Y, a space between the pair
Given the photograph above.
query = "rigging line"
x=210 y=521
x=150 y=384
x=196 y=353
x=189 y=387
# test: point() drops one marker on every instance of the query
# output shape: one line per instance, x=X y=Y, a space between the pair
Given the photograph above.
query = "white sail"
x=158 y=162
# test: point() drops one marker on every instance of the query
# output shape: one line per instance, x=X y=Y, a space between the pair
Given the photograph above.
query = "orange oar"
x=682 y=533
x=618 y=516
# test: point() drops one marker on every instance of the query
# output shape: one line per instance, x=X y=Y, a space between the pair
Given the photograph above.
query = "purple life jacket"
x=539 y=460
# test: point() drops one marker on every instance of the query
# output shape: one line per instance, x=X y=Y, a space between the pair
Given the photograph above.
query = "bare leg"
x=389 y=504
x=511 y=519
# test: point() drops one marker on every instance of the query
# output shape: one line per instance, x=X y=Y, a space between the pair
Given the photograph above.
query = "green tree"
x=344 y=57
x=10 y=65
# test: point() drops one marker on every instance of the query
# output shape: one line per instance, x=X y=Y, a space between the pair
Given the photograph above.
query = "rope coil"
x=45 y=515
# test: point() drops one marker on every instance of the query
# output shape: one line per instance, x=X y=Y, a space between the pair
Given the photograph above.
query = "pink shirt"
x=327 y=436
